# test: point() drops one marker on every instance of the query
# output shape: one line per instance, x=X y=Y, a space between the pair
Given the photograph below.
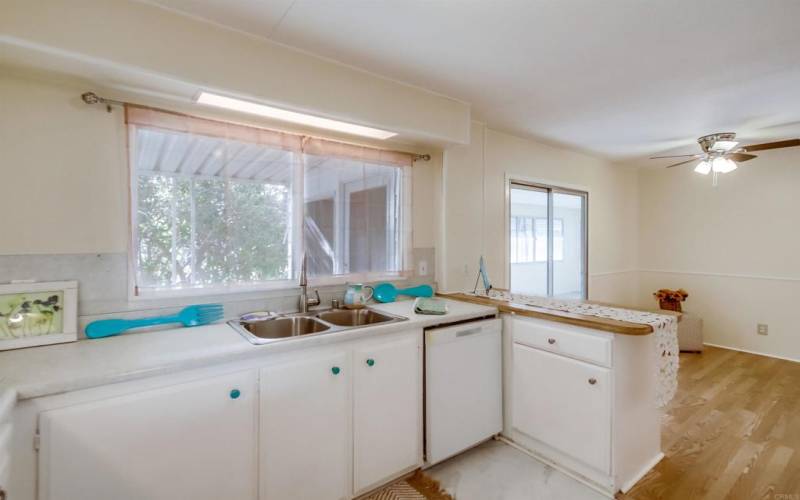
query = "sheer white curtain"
x=357 y=210
x=217 y=204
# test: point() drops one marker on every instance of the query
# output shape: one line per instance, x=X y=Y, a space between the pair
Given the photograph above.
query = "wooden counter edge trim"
x=603 y=324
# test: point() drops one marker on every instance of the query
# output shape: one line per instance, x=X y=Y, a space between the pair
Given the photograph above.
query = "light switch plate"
x=422 y=268
x=763 y=329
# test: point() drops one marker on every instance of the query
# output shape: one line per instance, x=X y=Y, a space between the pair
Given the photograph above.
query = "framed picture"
x=34 y=314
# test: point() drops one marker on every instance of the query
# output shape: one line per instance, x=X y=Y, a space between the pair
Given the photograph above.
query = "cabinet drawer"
x=585 y=345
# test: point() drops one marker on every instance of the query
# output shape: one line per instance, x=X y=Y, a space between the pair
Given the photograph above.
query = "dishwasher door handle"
x=471 y=331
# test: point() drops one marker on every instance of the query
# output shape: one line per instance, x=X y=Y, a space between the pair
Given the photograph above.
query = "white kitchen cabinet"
x=387 y=409
x=564 y=403
x=349 y=417
x=583 y=400
x=305 y=427
x=187 y=441
x=329 y=422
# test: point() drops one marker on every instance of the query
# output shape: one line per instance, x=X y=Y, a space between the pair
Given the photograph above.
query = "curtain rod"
x=92 y=98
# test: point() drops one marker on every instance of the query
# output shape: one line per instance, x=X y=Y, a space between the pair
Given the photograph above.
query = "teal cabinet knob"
x=235 y=393
x=370 y=362
x=335 y=370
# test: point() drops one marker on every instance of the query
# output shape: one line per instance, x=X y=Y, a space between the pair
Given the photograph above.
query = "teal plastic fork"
x=202 y=314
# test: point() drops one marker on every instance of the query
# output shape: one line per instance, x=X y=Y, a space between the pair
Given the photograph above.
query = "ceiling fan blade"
x=740 y=157
x=681 y=163
x=675 y=156
x=790 y=143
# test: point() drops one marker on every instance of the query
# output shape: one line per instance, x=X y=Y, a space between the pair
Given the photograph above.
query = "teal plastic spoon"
x=386 y=292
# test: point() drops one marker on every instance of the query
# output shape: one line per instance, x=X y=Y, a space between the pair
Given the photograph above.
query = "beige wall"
x=64 y=186
x=734 y=248
x=134 y=44
x=461 y=241
x=475 y=179
x=64 y=176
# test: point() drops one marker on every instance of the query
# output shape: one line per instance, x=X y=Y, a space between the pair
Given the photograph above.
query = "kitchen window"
x=226 y=207
x=547 y=241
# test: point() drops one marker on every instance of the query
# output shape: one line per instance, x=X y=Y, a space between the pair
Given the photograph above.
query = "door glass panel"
x=528 y=241
x=568 y=245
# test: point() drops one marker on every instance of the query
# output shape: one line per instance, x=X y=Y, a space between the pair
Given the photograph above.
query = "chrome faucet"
x=305 y=302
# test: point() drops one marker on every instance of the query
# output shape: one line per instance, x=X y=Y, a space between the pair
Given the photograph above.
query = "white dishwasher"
x=463 y=387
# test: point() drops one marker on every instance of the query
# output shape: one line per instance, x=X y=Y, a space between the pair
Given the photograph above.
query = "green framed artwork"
x=33 y=314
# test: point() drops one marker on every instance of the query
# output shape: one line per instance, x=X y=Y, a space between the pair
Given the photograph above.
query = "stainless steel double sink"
x=290 y=326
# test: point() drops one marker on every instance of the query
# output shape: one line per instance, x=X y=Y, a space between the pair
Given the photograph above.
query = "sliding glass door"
x=547 y=241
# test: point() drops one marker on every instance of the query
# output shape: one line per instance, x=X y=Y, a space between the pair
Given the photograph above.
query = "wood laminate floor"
x=731 y=432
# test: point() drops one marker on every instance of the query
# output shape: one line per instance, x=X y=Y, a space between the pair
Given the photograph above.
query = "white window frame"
x=296 y=242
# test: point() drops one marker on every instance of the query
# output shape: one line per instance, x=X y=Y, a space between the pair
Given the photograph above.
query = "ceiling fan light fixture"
x=723 y=165
x=704 y=167
x=724 y=146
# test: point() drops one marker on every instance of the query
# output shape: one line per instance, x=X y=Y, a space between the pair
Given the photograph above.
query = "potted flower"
x=670 y=300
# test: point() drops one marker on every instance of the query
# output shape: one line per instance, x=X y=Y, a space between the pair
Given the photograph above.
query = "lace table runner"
x=665 y=329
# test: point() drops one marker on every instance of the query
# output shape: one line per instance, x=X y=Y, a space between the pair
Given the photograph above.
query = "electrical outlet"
x=763 y=329
x=422 y=268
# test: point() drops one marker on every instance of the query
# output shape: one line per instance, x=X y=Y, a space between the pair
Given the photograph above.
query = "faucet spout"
x=303 y=276
x=304 y=300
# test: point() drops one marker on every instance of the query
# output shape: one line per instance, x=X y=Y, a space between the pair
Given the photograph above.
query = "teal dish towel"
x=425 y=305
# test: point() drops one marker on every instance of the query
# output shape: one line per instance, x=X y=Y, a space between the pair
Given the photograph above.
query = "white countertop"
x=42 y=371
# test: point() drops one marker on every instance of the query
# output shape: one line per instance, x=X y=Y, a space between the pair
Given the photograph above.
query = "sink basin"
x=260 y=332
x=273 y=329
x=355 y=317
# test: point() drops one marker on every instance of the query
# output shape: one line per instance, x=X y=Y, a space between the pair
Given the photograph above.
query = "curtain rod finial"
x=90 y=98
x=422 y=157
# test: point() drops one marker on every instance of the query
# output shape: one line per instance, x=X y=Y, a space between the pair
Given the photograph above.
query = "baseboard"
x=752 y=352
x=635 y=479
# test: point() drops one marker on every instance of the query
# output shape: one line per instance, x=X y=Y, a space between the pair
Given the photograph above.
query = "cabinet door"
x=305 y=428
x=194 y=441
x=387 y=420
x=563 y=403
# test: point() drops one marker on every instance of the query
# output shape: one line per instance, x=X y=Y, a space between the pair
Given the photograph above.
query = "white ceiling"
x=619 y=78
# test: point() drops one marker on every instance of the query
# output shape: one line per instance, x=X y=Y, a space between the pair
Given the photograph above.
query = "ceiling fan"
x=720 y=153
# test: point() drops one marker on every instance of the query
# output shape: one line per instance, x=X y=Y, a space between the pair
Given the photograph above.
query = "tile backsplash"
x=103 y=286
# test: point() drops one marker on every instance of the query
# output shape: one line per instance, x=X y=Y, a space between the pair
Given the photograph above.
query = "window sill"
x=273 y=286
x=145 y=294
x=344 y=279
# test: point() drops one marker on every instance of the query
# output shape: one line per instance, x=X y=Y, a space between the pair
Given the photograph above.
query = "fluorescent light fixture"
x=723 y=146
x=290 y=116
x=723 y=165
x=703 y=167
